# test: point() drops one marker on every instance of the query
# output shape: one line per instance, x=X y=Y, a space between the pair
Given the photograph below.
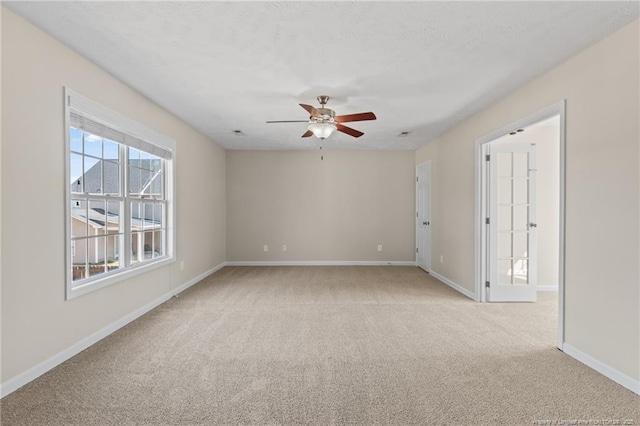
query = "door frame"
x=481 y=149
x=426 y=164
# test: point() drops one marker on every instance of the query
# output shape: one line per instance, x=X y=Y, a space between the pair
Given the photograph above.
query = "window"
x=119 y=192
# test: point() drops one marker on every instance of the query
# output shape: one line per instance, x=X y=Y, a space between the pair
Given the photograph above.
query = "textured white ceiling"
x=421 y=67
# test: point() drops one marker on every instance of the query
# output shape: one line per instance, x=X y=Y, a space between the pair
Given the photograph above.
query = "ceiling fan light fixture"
x=322 y=130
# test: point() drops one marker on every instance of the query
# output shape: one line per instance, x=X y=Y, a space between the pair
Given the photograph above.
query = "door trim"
x=426 y=164
x=480 y=204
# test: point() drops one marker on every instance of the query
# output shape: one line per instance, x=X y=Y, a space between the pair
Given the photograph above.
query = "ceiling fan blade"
x=288 y=121
x=307 y=134
x=311 y=110
x=349 y=131
x=363 y=116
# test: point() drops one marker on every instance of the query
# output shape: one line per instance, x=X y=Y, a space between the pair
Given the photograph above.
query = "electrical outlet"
x=265 y=248
x=441 y=259
x=379 y=247
x=182 y=265
x=284 y=247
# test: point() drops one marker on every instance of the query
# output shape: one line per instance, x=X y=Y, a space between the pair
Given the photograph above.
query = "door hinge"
x=487 y=157
x=417 y=214
x=486 y=284
x=417 y=180
x=416 y=249
x=487 y=221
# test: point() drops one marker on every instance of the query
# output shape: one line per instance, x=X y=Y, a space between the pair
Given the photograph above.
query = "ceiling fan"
x=324 y=121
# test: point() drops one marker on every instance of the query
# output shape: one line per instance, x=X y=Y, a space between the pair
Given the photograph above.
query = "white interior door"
x=423 y=216
x=512 y=223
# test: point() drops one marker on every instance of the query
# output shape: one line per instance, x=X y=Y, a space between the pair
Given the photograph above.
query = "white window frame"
x=117 y=121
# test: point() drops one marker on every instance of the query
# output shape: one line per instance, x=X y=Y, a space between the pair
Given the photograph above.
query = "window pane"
x=520 y=244
x=134 y=247
x=504 y=245
x=520 y=164
x=75 y=171
x=504 y=191
x=159 y=243
x=520 y=218
x=97 y=217
x=113 y=252
x=158 y=215
x=156 y=164
x=134 y=157
x=504 y=271
x=148 y=245
x=75 y=139
x=136 y=216
x=521 y=191
x=145 y=158
x=97 y=255
x=156 y=184
x=111 y=178
x=92 y=145
x=78 y=257
x=78 y=218
x=134 y=180
x=113 y=217
x=504 y=164
x=148 y=216
x=145 y=181
x=504 y=218
x=111 y=150
x=520 y=271
x=92 y=175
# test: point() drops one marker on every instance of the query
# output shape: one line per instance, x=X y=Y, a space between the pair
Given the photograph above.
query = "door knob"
x=533 y=225
x=425 y=223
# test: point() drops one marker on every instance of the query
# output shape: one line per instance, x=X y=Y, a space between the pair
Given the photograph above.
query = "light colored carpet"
x=325 y=345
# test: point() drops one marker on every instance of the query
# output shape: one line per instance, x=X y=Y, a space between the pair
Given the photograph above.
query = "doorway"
x=519 y=215
x=423 y=216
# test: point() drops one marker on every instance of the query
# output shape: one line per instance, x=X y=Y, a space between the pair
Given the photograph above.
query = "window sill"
x=115 y=277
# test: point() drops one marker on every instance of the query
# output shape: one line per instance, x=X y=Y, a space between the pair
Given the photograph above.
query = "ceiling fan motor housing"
x=326 y=113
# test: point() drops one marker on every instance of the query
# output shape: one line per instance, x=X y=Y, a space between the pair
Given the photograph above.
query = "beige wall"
x=547 y=140
x=601 y=86
x=37 y=322
x=339 y=208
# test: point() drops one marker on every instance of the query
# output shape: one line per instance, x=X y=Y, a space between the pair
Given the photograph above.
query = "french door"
x=512 y=260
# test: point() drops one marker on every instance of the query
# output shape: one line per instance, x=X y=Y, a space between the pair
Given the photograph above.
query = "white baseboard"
x=547 y=288
x=322 y=263
x=38 y=370
x=199 y=278
x=453 y=285
x=622 y=379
